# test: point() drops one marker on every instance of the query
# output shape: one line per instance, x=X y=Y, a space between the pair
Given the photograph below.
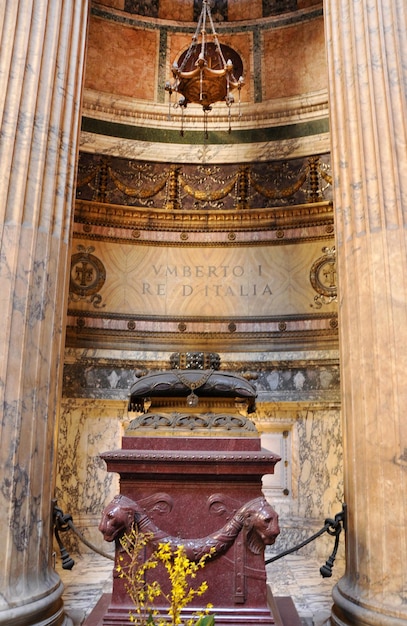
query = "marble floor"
x=298 y=576
x=294 y=575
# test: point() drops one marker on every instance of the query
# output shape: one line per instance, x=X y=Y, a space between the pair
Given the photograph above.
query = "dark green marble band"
x=256 y=135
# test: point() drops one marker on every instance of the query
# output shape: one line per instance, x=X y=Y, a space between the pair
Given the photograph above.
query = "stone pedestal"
x=190 y=488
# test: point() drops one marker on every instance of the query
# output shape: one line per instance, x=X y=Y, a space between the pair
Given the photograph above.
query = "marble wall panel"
x=122 y=59
x=294 y=60
x=87 y=428
x=280 y=60
x=316 y=471
x=319 y=482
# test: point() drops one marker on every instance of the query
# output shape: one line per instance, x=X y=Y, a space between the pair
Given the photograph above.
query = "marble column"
x=41 y=64
x=367 y=58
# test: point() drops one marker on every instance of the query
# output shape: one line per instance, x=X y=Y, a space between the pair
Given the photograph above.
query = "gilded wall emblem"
x=323 y=278
x=87 y=277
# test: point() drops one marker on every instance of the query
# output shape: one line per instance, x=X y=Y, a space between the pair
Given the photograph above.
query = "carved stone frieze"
x=256 y=518
x=190 y=423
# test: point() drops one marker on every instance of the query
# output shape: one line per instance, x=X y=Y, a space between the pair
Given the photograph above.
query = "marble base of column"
x=352 y=611
x=46 y=610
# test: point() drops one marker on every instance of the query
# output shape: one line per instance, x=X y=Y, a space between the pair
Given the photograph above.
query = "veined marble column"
x=41 y=65
x=367 y=57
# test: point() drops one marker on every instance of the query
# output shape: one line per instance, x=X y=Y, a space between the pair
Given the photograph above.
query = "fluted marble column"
x=41 y=64
x=367 y=56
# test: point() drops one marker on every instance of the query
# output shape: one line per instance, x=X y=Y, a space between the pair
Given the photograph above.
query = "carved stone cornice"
x=100 y=105
x=247 y=369
x=132 y=222
x=282 y=322
x=316 y=333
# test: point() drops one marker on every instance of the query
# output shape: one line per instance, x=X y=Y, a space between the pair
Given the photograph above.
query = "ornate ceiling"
x=222 y=10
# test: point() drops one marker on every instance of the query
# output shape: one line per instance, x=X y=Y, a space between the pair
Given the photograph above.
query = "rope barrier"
x=62 y=523
x=331 y=526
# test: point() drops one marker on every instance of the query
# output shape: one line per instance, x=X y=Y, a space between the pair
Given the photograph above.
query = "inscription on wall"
x=207 y=281
x=241 y=281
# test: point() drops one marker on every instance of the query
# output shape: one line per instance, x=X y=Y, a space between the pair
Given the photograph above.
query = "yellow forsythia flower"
x=181 y=571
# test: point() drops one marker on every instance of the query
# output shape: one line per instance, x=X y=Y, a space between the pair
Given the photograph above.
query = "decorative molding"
x=206 y=239
x=268 y=322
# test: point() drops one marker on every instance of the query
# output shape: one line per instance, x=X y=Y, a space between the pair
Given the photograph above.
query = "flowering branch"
x=180 y=570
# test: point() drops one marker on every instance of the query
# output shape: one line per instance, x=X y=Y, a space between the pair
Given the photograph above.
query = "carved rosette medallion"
x=87 y=277
x=323 y=278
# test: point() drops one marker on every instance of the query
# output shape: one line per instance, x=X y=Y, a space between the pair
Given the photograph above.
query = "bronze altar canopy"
x=192 y=384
